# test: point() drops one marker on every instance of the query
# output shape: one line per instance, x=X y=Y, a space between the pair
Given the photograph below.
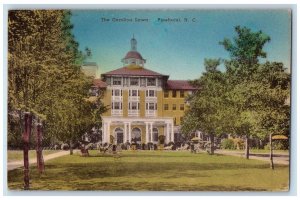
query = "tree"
x=44 y=73
x=248 y=99
x=248 y=85
x=206 y=103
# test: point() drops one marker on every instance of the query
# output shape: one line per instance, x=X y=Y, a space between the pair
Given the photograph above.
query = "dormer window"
x=134 y=81
x=151 y=82
x=117 y=80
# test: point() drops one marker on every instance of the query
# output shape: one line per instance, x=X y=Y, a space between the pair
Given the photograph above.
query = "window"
x=174 y=93
x=143 y=82
x=134 y=81
x=134 y=106
x=174 y=106
x=181 y=106
x=116 y=80
x=175 y=120
x=166 y=94
x=117 y=105
x=166 y=107
x=151 y=82
x=151 y=106
x=132 y=61
x=150 y=93
x=181 y=119
x=116 y=92
x=181 y=93
x=134 y=93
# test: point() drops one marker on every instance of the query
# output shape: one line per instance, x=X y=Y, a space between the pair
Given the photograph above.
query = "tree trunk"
x=247 y=147
x=71 y=147
x=212 y=142
x=271 y=153
x=26 y=136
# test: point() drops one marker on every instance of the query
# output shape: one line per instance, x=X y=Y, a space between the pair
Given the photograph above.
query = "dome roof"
x=134 y=54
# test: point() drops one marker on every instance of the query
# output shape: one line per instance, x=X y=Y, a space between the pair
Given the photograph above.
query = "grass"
x=154 y=171
x=15 y=155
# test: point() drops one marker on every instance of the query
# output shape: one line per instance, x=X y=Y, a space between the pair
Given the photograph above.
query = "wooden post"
x=26 y=136
x=271 y=152
x=212 y=144
x=247 y=147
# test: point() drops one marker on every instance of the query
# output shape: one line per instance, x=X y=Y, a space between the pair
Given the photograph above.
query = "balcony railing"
x=115 y=112
x=133 y=98
x=151 y=99
x=133 y=113
x=150 y=113
x=117 y=98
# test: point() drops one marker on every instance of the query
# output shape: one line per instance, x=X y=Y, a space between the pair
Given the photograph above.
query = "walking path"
x=16 y=164
x=278 y=158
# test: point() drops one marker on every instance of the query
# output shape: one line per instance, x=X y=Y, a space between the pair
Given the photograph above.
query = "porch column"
x=172 y=132
x=151 y=132
x=147 y=135
x=108 y=132
x=125 y=133
x=167 y=136
x=129 y=129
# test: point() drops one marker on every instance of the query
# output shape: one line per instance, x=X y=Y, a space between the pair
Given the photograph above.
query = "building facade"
x=143 y=104
x=90 y=69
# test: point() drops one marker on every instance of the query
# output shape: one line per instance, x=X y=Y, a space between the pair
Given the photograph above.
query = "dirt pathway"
x=278 y=158
x=16 y=164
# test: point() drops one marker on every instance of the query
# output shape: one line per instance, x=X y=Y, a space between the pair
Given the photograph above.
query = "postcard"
x=149 y=100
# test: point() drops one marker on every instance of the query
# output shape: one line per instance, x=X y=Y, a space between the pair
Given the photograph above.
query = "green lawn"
x=14 y=155
x=155 y=171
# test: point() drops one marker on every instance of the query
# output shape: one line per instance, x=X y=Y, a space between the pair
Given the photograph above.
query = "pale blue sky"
x=177 y=49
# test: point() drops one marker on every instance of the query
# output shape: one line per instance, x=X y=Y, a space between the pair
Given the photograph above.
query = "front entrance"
x=136 y=136
x=155 y=135
x=119 y=135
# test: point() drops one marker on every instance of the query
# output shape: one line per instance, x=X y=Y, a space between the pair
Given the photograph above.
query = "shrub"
x=278 y=145
x=227 y=144
x=239 y=144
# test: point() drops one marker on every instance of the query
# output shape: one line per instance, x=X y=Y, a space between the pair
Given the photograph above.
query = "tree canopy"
x=248 y=99
x=44 y=74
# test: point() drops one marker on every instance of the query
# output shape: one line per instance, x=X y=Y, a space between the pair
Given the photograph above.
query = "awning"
x=279 y=137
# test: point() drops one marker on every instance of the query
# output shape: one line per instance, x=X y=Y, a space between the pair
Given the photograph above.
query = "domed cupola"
x=133 y=57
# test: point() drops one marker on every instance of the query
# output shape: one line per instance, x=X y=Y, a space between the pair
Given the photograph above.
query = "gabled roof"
x=133 y=71
x=179 y=85
x=99 y=83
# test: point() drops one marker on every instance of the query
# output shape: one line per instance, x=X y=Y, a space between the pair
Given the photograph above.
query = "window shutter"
x=146 y=93
x=121 y=92
x=138 y=106
x=112 y=92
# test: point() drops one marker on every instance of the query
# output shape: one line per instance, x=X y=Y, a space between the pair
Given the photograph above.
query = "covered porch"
x=137 y=130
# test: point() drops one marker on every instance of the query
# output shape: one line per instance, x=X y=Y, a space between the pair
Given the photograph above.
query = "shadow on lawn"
x=128 y=169
x=161 y=186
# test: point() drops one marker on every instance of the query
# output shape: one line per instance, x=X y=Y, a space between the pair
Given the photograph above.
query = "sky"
x=176 y=48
